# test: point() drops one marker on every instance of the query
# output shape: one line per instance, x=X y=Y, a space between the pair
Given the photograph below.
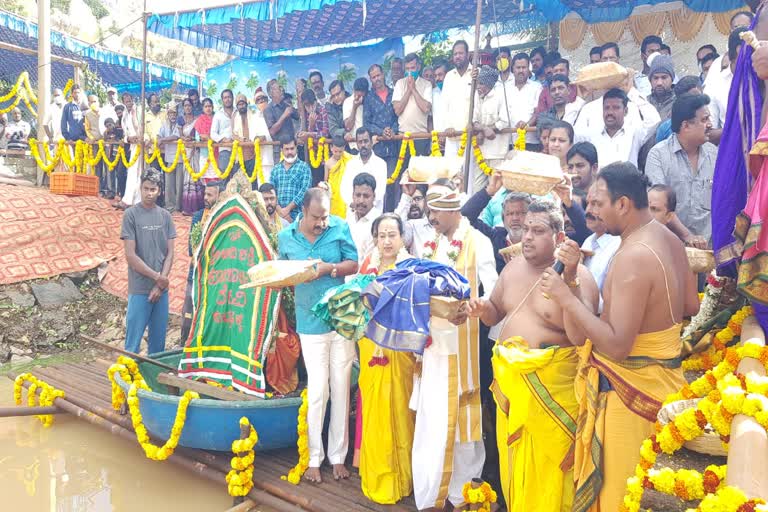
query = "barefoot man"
x=633 y=359
x=448 y=446
x=535 y=367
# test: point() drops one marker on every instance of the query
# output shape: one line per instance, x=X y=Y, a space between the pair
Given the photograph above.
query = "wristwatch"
x=334 y=272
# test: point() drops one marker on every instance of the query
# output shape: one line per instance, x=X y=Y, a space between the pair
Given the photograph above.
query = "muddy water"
x=73 y=466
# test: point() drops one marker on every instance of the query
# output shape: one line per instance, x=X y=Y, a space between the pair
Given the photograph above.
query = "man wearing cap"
x=489 y=116
x=662 y=76
x=247 y=126
x=448 y=446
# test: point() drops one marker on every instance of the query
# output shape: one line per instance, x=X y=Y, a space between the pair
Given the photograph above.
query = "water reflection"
x=76 y=467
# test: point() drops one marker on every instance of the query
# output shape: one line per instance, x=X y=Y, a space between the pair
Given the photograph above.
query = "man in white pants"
x=315 y=234
x=448 y=448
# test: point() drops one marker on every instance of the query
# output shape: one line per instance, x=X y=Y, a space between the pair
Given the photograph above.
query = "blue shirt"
x=333 y=246
x=378 y=115
x=291 y=184
x=664 y=131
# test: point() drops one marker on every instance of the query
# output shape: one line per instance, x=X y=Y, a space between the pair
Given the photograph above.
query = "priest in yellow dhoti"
x=384 y=422
x=534 y=366
x=632 y=361
x=448 y=447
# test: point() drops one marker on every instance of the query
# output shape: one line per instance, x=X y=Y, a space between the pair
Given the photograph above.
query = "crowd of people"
x=498 y=390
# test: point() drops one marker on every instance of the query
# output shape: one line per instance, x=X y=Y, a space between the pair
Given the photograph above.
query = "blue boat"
x=214 y=424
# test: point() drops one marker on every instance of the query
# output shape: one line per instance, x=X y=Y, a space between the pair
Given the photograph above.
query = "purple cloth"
x=730 y=186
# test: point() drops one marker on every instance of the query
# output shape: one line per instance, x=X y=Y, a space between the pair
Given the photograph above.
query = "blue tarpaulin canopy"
x=247 y=29
x=118 y=70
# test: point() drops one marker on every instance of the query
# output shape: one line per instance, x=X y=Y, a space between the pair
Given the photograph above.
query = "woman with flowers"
x=384 y=421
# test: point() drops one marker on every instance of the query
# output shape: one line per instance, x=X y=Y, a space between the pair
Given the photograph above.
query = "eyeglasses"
x=261 y=99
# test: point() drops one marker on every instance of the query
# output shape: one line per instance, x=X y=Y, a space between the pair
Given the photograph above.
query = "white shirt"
x=573 y=109
x=520 y=102
x=624 y=146
x=438 y=114
x=257 y=127
x=346 y=111
x=643 y=85
x=221 y=127
x=413 y=119
x=457 y=90
x=604 y=248
x=718 y=90
x=106 y=112
x=361 y=232
x=376 y=167
x=491 y=112
x=640 y=114
x=54 y=120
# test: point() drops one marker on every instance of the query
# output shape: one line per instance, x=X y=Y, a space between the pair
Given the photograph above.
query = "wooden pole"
x=10 y=412
x=748 y=451
x=245 y=506
x=143 y=82
x=129 y=354
x=245 y=431
x=475 y=58
x=43 y=73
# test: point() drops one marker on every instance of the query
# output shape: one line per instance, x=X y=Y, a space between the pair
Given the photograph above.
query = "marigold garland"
x=435 y=149
x=48 y=395
x=479 y=158
x=240 y=477
x=322 y=154
x=714 y=354
x=483 y=496
x=295 y=474
x=520 y=140
x=722 y=394
x=405 y=144
x=462 y=144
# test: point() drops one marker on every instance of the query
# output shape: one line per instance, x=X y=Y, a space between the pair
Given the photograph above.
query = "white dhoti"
x=132 y=193
x=328 y=358
x=448 y=450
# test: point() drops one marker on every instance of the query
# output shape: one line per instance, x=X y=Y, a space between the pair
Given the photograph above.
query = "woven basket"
x=708 y=443
x=444 y=307
x=529 y=172
x=281 y=273
x=527 y=183
x=601 y=75
x=699 y=260
x=426 y=169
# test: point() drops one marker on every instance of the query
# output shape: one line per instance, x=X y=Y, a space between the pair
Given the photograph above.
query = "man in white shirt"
x=418 y=229
x=457 y=90
x=617 y=140
x=364 y=162
x=438 y=109
x=490 y=114
x=362 y=213
x=412 y=101
x=352 y=110
x=107 y=111
x=600 y=245
x=247 y=126
x=221 y=129
x=521 y=96
x=719 y=87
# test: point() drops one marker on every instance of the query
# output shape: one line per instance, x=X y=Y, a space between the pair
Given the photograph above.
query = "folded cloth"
x=342 y=309
x=399 y=302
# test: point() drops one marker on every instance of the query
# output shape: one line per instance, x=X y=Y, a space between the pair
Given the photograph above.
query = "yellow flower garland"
x=317 y=158
x=479 y=158
x=295 y=474
x=240 y=477
x=405 y=144
x=520 y=140
x=463 y=144
x=435 y=145
x=714 y=354
x=723 y=395
x=483 y=496
x=48 y=395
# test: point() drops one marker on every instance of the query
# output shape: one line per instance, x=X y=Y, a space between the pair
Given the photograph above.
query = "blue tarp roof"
x=249 y=28
x=118 y=70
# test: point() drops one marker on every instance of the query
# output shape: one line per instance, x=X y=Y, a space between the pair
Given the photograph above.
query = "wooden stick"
x=129 y=354
x=748 y=452
x=245 y=506
x=204 y=389
x=475 y=59
x=245 y=431
x=10 y=412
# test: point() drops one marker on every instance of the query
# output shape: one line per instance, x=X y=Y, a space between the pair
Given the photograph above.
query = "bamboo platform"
x=88 y=396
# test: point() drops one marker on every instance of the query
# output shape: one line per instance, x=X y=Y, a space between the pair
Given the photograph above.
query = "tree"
x=347 y=73
x=14 y=6
x=253 y=81
x=62 y=5
x=92 y=84
x=434 y=51
x=97 y=8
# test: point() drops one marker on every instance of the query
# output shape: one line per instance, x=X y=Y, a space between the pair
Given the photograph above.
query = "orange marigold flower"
x=711 y=482
x=711 y=379
x=681 y=491
x=714 y=395
x=732 y=357
x=647 y=484
x=655 y=444
x=749 y=506
x=675 y=432
x=645 y=464
x=701 y=420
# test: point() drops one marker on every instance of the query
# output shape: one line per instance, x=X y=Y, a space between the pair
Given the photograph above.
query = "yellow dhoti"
x=385 y=451
x=535 y=425
x=618 y=403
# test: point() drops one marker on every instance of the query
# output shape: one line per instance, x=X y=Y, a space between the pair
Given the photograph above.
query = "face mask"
x=439 y=85
x=59 y=100
x=413 y=74
x=502 y=64
x=94 y=107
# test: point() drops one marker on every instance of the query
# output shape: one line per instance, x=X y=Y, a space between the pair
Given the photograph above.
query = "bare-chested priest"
x=632 y=362
x=535 y=365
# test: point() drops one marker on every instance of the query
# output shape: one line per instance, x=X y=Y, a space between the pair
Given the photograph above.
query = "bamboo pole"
x=143 y=84
x=43 y=73
x=11 y=412
x=748 y=451
x=475 y=59
x=245 y=430
x=129 y=354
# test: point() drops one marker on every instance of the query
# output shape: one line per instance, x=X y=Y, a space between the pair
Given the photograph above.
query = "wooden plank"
x=10 y=412
x=204 y=389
